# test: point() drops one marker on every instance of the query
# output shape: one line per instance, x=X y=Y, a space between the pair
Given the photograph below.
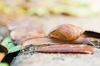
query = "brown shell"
x=66 y=32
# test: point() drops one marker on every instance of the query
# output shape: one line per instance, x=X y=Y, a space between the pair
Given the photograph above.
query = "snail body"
x=69 y=32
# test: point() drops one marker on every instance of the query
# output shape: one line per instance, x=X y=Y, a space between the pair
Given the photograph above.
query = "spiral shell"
x=66 y=32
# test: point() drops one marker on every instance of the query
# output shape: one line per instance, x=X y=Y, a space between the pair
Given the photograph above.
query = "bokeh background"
x=49 y=13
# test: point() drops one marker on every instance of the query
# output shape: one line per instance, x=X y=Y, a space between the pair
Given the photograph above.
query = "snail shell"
x=70 y=33
x=66 y=32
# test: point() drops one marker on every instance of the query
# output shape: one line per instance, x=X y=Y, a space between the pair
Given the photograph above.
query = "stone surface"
x=58 y=59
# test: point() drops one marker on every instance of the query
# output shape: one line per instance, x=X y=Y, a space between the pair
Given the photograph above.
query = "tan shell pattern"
x=66 y=32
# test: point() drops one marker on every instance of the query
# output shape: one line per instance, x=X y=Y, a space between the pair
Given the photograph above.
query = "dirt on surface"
x=43 y=59
x=59 y=59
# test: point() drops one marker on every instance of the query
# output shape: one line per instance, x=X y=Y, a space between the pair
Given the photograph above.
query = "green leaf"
x=4 y=64
x=14 y=49
x=8 y=42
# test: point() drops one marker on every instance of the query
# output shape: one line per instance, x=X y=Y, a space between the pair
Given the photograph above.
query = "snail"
x=26 y=31
x=72 y=33
x=65 y=34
